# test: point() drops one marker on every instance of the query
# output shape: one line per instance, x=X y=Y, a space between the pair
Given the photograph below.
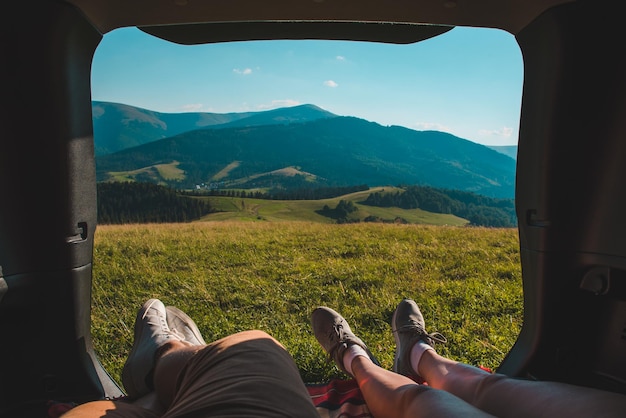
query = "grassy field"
x=238 y=209
x=169 y=171
x=233 y=276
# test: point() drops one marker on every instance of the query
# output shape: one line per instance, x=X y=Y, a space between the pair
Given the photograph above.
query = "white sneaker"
x=151 y=333
x=180 y=323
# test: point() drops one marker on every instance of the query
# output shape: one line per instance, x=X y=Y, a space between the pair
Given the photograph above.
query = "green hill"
x=119 y=126
x=246 y=209
x=339 y=151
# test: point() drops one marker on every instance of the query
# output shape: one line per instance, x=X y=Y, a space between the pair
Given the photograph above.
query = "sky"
x=467 y=82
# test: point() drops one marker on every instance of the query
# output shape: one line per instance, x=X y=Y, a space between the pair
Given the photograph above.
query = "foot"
x=151 y=333
x=408 y=328
x=180 y=323
x=335 y=336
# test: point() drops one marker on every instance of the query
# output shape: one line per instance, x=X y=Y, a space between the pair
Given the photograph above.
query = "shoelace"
x=166 y=331
x=414 y=326
x=177 y=334
x=336 y=334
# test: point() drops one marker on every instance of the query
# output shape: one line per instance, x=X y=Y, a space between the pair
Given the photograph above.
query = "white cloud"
x=192 y=107
x=431 y=126
x=502 y=133
x=245 y=71
x=330 y=83
x=274 y=104
x=340 y=58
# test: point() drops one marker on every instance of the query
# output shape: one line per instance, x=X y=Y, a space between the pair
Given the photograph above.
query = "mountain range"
x=300 y=146
x=119 y=126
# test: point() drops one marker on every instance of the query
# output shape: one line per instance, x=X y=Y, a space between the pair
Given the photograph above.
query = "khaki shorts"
x=248 y=374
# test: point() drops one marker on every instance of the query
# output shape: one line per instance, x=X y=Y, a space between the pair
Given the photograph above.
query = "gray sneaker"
x=335 y=336
x=180 y=323
x=408 y=328
x=151 y=333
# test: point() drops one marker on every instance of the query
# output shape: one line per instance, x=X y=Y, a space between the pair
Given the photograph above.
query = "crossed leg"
x=454 y=389
x=171 y=372
x=389 y=394
x=508 y=397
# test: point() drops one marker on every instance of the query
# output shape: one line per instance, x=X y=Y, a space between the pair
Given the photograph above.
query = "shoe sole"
x=136 y=388
x=397 y=340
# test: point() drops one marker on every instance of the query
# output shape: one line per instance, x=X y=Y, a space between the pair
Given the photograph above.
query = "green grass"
x=233 y=276
x=244 y=209
x=169 y=171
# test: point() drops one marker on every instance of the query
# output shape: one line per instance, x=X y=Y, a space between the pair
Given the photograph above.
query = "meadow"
x=231 y=276
x=246 y=209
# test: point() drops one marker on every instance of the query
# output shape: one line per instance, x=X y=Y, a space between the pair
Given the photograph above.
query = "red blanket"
x=338 y=399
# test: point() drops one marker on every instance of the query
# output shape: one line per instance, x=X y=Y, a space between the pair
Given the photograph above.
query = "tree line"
x=131 y=202
x=341 y=212
x=300 y=193
x=478 y=210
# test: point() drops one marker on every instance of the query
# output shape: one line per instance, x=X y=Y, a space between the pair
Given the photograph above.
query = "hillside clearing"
x=237 y=209
x=169 y=171
x=225 y=171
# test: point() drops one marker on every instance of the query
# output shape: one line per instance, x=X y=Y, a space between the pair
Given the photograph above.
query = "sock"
x=416 y=354
x=349 y=355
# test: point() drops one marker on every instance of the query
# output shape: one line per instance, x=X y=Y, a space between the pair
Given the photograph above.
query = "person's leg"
x=109 y=409
x=494 y=393
x=507 y=397
x=389 y=394
x=386 y=393
x=170 y=361
x=151 y=334
x=245 y=374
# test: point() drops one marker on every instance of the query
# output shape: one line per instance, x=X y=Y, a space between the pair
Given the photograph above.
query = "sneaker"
x=335 y=336
x=151 y=333
x=408 y=328
x=181 y=324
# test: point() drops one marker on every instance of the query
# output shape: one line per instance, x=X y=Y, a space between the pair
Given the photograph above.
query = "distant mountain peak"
x=312 y=111
x=118 y=126
x=311 y=106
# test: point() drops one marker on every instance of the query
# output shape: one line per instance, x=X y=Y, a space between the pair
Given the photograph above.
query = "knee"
x=410 y=394
x=256 y=334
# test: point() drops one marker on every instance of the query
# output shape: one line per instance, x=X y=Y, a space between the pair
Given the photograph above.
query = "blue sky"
x=467 y=82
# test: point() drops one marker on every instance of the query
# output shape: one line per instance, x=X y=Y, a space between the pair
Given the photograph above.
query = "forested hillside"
x=128 y=202
x=339 y=151
x=302 y=193
x=477 y=209
x=150 y=203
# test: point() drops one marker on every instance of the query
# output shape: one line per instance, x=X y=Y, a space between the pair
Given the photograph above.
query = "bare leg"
x=507 y=397
x=171 y=360
x=389 y=394
x=173 y=355
x=386 y=393
x=494 y=393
